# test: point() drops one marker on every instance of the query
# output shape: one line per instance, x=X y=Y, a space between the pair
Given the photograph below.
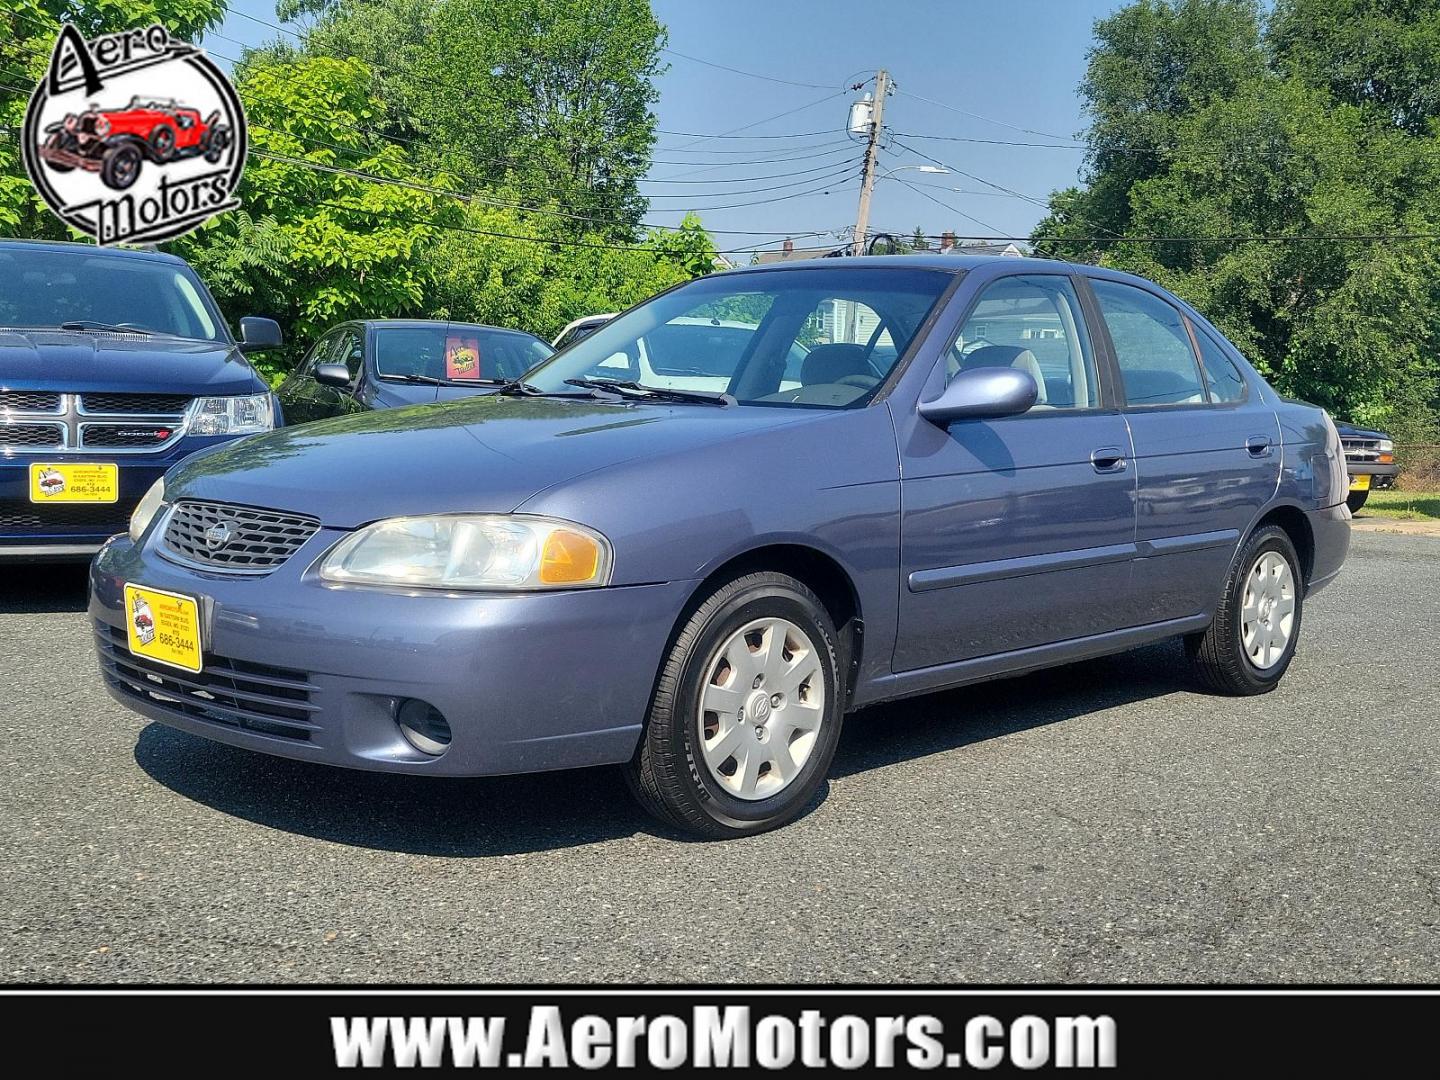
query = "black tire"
x=57 y=142
x=668 y=774
x=1218 y=655
x=1356 y=500
x=120 y=166
x=162 y=142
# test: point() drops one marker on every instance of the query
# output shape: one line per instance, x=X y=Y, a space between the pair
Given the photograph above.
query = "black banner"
x=656 y=1030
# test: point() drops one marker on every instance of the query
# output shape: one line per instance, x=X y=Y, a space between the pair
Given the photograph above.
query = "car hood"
x=1355 y=432
x=483 y=454
x=83 y=362
x=394 y=395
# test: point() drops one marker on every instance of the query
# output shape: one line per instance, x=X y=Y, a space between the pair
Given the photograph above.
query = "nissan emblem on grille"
x=217 y=536
x=234 y=539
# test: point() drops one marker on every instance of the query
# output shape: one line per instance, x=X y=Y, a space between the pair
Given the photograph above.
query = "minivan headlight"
x=471 y=551
x=235 y=414
x=150 y=504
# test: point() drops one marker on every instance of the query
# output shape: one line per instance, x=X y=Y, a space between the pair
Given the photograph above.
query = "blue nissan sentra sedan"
x=982 y=467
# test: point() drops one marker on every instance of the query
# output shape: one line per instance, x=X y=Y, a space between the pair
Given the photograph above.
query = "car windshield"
x=45 y=288
x=456 y=352
x=818 y=338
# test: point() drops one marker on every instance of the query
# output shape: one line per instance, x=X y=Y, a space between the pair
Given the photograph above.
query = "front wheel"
x=120 y=166
x=746 y=714
x=1355 y=500
x=1249 y=646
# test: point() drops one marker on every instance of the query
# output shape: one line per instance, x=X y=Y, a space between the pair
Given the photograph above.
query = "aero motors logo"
x=134 y=137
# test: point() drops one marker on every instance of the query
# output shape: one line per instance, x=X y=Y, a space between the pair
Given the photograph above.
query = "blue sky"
x=999 y=66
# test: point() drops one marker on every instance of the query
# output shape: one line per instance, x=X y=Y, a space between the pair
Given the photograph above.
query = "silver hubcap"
x=1267 y=614
x=761 y=708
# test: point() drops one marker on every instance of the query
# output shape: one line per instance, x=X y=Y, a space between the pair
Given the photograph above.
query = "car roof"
x=7 y=244
x=918 y=261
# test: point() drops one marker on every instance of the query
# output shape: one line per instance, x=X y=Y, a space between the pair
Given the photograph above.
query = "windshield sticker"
x=134 y=137
x=462 y=357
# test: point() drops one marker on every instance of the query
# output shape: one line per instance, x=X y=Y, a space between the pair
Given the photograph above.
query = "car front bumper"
x=294 y=667
x=1381 y=476
x=35 y=532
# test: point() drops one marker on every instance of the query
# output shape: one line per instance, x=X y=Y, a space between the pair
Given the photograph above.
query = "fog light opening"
x=423 y=726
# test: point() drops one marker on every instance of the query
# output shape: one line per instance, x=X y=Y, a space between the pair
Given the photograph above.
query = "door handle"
x=1108 y=459
x=1258 y=445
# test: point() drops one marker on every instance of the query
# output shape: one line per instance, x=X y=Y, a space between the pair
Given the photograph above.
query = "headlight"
x=1385 y=446
x=471 y=551
x=102 y=126
x=150 y=504
x=242 y=414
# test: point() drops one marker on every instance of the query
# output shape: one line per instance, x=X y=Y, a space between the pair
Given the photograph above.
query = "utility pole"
x=872 y=155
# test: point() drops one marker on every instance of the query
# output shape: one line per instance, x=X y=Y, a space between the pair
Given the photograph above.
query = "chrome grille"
x=108 y=436
x=131 y=404
x=255 y=541
x=1361 y=449
x=235 y=693
x=49 y=420
x=32 y=436
x=35 y=401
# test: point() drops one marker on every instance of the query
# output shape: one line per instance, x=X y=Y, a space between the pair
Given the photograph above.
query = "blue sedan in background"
x=386 y=363
x=984 y=467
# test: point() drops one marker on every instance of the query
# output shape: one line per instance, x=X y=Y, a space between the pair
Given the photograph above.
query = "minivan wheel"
x=746 y=714
x=1250 y=644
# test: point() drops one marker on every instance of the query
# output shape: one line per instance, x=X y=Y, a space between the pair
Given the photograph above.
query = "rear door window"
x=1152 y=348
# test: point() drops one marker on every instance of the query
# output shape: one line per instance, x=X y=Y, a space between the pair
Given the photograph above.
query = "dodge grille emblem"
x=218 y=535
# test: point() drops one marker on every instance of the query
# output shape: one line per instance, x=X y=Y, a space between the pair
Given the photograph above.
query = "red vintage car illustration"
x=115 y=142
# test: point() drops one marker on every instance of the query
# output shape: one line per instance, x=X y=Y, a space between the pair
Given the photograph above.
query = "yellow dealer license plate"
x=164 y=627
x=1360 y=483
x=72 y=483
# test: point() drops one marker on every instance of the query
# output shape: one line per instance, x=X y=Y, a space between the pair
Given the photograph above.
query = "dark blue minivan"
x=114 y=365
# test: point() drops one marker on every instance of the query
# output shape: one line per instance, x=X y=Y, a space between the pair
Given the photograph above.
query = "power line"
x=971 y=176
x=978 y=116
x=994 y=142
x=947 y=206
x=704 y=135
x=747 y=74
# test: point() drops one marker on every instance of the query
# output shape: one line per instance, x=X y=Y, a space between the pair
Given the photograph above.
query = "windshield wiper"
x=521 y=388
x=430 y=380
x=112 y=328
x=629 y=388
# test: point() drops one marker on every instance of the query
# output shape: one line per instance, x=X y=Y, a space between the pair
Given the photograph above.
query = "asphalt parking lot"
x=1103 y=822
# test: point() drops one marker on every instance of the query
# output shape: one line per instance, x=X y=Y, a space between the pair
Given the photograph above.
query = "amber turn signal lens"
x=1386 y=459
x=569 y=559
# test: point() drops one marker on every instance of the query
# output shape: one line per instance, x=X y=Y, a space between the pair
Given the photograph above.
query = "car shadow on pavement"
x=417 y=815
x=473 y=818
x=43 y=587
x=935 y=723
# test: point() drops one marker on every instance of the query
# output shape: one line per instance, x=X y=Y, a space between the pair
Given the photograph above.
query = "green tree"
x=919 y=241
x=1283 y=142
x=313 y=247
x=550 y=97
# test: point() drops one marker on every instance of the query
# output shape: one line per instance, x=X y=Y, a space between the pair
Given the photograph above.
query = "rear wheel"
x=120 y=166
x=746 y=714
x=1355 y=500
x=1249 y=646
x=162 y=142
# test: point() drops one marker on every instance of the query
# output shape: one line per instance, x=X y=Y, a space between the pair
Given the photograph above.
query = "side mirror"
x=985 y=393
x=257 y=335
x=333 y=375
